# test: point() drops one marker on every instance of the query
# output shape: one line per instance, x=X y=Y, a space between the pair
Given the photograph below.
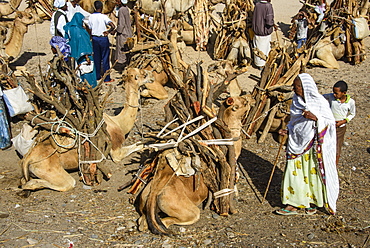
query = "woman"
x=81 y=48
x=310 y=179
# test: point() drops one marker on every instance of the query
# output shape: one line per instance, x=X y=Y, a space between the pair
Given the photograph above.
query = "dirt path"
x=103 y=217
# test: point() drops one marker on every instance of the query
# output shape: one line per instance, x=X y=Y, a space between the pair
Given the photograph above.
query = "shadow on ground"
x=23 y=59
x=258 y=173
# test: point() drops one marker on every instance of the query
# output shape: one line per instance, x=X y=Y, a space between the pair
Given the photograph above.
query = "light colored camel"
x=327 y=54
x=48 y=162
x=88 y=5
x=9 y=7
x=151 y=7
x=12 y=41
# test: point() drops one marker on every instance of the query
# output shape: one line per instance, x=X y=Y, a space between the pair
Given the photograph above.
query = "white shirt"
x=72 y=10
x=60 y=24
x=98 y=23
x=341 y=111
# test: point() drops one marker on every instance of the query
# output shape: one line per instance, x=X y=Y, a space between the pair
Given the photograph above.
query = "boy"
x=98 y=23
x=343 y=108
x=302 y=28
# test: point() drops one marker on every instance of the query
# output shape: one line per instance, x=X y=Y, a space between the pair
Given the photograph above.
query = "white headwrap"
x=302 y=131
x=124 y=1
x=59 y=3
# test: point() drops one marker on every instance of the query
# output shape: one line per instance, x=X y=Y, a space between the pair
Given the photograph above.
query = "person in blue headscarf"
x=60 y=43
x=81 y=48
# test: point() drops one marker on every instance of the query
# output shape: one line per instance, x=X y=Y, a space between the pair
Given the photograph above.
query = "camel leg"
x=183 y=212
x=34 y=184
x=155 y=90
x=51 y=175
x=142 y=222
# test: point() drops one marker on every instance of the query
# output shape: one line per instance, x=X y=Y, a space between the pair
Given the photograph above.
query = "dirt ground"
x=103 y=217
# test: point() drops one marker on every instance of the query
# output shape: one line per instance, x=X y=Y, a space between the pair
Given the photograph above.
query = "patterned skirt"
x=302 y=183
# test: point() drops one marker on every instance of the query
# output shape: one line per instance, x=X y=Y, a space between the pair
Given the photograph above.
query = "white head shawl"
x=124 y=1
x=59 y=3
x=302 y=131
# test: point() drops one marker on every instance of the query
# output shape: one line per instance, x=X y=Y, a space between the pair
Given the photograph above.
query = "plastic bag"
x=24 y=140
x=17 y=101
x=361 y=28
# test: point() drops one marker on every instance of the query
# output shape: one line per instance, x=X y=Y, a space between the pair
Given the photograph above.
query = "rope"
x=82 y=138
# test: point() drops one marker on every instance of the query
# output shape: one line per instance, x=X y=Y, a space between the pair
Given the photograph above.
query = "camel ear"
x=19 y=14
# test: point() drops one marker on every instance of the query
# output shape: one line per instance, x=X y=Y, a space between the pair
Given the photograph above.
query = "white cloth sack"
x=361 y=28
x=86 y=67
x=24 y=140
x=17 y=101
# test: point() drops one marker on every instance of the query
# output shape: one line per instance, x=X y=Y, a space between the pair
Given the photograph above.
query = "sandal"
x=311 y=211
x=284 y=211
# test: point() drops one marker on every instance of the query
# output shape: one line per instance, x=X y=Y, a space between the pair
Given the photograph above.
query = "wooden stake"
x=273 y=168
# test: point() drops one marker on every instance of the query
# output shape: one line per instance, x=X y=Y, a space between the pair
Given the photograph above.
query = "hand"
x=276 y=27
x=283 y=132
x=309 y=115
x=105 y=33
x=340 y=123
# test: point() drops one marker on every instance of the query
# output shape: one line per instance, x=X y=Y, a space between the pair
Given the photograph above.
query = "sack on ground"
x=25 y=139
x=361 y=28
x=17 y=101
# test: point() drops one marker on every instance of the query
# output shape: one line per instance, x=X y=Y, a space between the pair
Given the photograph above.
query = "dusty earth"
x=103 y=217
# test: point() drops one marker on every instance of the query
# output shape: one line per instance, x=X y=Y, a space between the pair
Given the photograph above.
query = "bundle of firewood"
x=232 y=42
x=273 y=92
x=64 y=106
x=344 y=22
x=199 y=135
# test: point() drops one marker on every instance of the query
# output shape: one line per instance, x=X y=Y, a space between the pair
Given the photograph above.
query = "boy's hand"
x=340 y=123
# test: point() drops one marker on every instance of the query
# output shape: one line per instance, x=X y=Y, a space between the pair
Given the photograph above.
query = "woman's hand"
x=283 y=132
x=309 y=115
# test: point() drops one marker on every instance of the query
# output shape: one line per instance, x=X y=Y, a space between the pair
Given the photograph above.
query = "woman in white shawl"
x=310 y=179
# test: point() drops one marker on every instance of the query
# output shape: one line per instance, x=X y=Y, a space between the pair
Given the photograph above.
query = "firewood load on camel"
x=338 y=34
x=195 y=152
x=75 y=133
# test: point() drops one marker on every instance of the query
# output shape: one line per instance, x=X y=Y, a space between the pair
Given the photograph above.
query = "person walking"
x=59 y=18
x=310 y=178
x=124 y=31
x=98 y=23
x=81 y=48
x=262 y=25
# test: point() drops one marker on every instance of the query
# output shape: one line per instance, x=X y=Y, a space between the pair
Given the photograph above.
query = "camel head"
x=28 y=16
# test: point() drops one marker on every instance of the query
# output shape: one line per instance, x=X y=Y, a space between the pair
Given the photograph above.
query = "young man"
x=343 y=108
x=124 y=31
x=263 y=25
x=98 y=23
x=59 y=18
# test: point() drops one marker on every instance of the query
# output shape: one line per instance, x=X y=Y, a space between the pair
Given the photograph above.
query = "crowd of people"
x=83 y=38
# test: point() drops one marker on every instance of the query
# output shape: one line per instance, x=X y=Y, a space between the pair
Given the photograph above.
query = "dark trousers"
x=101 y=56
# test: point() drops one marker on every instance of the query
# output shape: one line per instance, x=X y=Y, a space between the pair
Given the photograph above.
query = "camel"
x=151 y=7
x=11 y=46
x=328 y=53
x=88 y=5
x=178 y=197
x=8 y=7
x=48 y=162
